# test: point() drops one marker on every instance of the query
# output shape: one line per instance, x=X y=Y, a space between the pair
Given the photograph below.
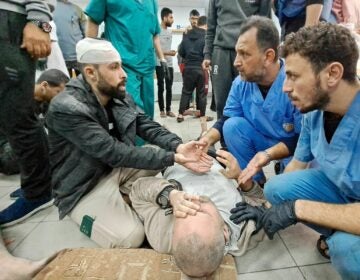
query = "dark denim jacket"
x=82 y=150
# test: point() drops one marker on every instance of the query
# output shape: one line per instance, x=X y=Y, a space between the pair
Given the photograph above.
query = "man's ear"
x=270 y=56
x=90 y=72
x=334 y=73
x=44 y=85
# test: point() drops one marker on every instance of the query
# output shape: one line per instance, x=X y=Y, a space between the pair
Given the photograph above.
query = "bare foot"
x=13 y=268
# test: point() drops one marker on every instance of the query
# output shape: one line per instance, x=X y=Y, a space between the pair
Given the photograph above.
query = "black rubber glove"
x=165 y=69
x=278 y=217
x=244 y=211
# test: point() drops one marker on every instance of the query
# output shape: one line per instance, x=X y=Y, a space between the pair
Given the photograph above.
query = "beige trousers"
x=115 y=222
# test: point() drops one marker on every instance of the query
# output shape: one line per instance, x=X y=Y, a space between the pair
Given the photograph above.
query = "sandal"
x=322 y=247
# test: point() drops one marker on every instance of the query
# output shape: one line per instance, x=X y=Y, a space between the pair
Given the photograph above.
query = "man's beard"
x=320 y=100
x=256 y=77
x=112 y=91
x=168 y=24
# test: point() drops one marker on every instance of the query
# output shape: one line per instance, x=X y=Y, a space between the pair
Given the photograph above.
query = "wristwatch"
x=43 y=25
x=163 y=199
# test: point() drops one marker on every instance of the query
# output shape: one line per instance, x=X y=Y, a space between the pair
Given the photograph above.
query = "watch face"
x=163 y=201
x=46 y=27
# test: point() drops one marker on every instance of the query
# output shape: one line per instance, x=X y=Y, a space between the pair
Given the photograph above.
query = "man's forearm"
x=212 y=136
x=313 y=13
x=157 y=47
x=295 y=165
x=343 y=217
x=278 y=151
x=92 y=29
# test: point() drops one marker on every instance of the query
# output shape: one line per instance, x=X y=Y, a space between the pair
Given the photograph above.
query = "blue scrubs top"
x=130 y=26
x=339 y=159
x=275 y=117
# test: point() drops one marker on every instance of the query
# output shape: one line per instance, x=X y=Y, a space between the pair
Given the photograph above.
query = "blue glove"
x=278 y=217
x=244 y=211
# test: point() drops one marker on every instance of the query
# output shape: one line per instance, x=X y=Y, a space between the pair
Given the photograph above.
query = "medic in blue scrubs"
x=322 y=83
x=259 y=124
x=132 y=27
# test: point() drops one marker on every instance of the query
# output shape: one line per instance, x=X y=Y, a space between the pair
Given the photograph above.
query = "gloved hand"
x=278 y=217
x=244 y=211
x=165 y=69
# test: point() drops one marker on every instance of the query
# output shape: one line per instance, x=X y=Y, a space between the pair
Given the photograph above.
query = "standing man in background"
x=133 y=28
x=70 y=21
x=224 y=21
x=24 y=37
x=167 y=20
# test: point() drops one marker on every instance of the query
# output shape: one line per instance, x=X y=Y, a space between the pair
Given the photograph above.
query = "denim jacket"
x=85 y=145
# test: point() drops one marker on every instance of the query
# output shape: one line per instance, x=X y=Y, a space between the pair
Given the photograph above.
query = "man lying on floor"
x=189 y=217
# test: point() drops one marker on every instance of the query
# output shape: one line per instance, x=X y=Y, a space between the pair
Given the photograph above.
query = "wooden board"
x=121 y=264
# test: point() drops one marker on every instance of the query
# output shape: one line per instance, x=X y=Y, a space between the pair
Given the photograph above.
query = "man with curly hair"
x=321 y=81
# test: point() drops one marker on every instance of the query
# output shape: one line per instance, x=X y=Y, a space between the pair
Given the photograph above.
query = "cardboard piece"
x=121 y=264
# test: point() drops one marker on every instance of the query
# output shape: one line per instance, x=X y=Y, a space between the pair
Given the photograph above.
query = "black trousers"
x=193 y=78
x=223 y=74
x=160 y=83
x=18 y=121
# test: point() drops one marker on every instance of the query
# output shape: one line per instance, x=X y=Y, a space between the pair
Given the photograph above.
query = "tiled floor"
x=291 y=255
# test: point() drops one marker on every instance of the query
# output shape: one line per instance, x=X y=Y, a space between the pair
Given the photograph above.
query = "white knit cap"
x=96 y=51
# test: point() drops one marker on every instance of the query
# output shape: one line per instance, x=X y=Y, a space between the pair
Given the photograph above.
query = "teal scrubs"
x=130 y=26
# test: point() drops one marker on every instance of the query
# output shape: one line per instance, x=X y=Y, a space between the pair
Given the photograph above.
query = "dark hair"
x=165 y=12
x=267 y=35
x=323 y=44
x=194 y=12
x=53 y=77
x=202 y=21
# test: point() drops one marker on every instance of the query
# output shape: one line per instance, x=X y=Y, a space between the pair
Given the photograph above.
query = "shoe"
x=23 y=208
x=16 y=194
x=322 y=247
x=162 y=114
x=170 y=114
x=180 y=119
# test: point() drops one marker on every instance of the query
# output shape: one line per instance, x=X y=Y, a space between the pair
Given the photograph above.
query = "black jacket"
x=83 y=149
x=192 y=47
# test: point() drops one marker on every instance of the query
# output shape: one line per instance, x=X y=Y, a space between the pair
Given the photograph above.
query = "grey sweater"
x=34 y=9
x=225 y=18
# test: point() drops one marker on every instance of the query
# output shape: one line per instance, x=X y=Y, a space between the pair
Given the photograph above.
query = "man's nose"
x=287 y=86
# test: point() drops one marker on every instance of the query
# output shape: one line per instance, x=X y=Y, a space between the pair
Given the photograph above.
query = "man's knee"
x=276 y=190
x=344 y=250
x=125 y=236
x=236 y=126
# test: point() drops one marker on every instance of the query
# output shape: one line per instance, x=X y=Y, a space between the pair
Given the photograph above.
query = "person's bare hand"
x=36 y=42
x=192 y=151
x=172 y=53
x=205 y=144
x=232 y=170
x=253 y=167
x=206 y=65
x=202 y=165
x=184 y=204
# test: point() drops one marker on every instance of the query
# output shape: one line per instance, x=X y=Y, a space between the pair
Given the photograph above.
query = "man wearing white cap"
x=92 y=129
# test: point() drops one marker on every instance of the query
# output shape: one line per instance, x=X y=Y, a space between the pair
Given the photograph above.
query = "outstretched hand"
x=184 y=203
x=253 y=167
x=232 y=169
x=192 y=156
